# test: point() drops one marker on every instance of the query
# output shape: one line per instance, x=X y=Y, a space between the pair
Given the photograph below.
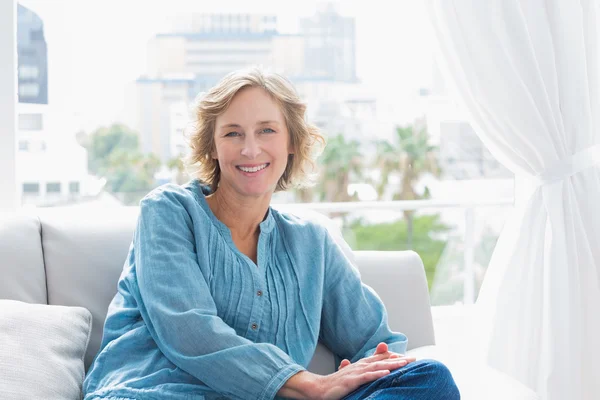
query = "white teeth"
x=253 y=169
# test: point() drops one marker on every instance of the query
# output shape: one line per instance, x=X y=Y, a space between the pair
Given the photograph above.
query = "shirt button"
x=254 y=327
x=259 y=293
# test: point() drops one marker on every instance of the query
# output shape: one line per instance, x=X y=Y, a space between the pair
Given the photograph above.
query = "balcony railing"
x=460 y=285
x=468 y=206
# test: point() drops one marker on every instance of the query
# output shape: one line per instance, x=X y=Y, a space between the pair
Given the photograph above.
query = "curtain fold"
x=528 y=74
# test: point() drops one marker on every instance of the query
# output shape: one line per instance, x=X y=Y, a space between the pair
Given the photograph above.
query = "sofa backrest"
x=74 y=257
x=22 y=275
x=84 y=255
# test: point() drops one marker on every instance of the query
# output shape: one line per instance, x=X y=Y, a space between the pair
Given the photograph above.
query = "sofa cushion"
x=21 y=259
x=41 y=350
x=474 y=379
x=84 y=254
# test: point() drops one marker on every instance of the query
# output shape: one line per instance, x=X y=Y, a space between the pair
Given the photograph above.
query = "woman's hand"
x=382 y=348
x=350 y=377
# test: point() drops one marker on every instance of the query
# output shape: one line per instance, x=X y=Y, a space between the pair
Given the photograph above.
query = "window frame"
x=8 y=104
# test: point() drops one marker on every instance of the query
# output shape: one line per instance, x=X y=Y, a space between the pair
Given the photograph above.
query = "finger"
x=389 y=364
x=391 y=354
x=374 y=358
x=402 y=357
x=377 y=357
x=371 y=359
x=371 y=376
x=382 y=347
x=345 y=362
x=384 y=356
x=398 y=354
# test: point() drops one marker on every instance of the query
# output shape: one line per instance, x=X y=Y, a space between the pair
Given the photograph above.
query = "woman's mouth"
x=252 y=169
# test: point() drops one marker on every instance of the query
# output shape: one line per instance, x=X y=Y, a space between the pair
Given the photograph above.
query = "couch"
x=72 y=257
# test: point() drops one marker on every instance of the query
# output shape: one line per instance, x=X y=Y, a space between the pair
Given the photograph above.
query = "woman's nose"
x=251 y=147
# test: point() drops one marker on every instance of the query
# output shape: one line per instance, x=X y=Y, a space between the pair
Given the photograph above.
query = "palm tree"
x=339 y=162
x=387 y=161
x=411 y=157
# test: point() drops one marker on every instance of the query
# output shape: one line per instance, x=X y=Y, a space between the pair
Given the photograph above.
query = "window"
x=29 y=90
x=28 y=72
x=126 y=91
x=53 y=187
x=30 y=122
x=74 y=187
x=23 y=145
x=31 y=188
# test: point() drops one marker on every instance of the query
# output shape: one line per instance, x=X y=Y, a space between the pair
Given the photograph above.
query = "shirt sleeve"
x=354 y=320
x=181 y=314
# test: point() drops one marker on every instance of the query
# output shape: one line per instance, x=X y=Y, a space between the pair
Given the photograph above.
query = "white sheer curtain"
x=528 y=73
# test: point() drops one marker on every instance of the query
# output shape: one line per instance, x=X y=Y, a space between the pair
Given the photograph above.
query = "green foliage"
x=387 y=162
x=114 y=153
x=392 y=236
x=341 y=160
x=131 y=171
x=104 y=141
x=414 y=141
x=410 y=156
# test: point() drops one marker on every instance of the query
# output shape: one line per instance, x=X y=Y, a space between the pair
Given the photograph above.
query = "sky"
x=95 y=48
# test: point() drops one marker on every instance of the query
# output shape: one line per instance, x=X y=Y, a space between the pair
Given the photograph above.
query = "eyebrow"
x=239 y=126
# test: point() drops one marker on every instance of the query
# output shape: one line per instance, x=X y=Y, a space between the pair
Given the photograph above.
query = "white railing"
x=403 y=205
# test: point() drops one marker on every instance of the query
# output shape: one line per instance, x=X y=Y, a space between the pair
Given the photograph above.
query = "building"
x=208 y=46
x=152 y=99
x=329 y=46
x=462 y=153
x=197 y=52
x=51 y=167
x=200 y=49
x=464 y=156
x=343 y=108
x=32 y=58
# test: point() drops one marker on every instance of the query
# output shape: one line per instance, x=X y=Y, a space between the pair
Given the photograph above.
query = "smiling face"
x=251 y=144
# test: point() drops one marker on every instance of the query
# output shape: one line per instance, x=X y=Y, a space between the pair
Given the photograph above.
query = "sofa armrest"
x=21 y=258
x=398 y=277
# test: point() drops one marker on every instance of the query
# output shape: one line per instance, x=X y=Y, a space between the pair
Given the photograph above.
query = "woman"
x=223 y=297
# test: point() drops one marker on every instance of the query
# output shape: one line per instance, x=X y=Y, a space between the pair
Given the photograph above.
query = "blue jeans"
x=419 y=380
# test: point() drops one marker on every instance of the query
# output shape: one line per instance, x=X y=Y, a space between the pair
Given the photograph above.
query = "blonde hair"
x=305 y=138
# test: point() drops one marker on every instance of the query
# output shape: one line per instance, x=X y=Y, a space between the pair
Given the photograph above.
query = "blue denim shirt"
x=194 y=318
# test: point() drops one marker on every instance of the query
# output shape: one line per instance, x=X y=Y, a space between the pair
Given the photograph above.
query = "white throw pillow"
x=41 y=350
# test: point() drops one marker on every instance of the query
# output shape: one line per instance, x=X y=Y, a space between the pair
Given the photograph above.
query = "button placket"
x=259 y=283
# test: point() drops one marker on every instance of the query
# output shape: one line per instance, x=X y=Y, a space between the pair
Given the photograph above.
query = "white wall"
x=8 y=103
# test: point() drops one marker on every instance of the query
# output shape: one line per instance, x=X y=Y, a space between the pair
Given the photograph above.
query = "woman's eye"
x=230 y=134
x=268 y=130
